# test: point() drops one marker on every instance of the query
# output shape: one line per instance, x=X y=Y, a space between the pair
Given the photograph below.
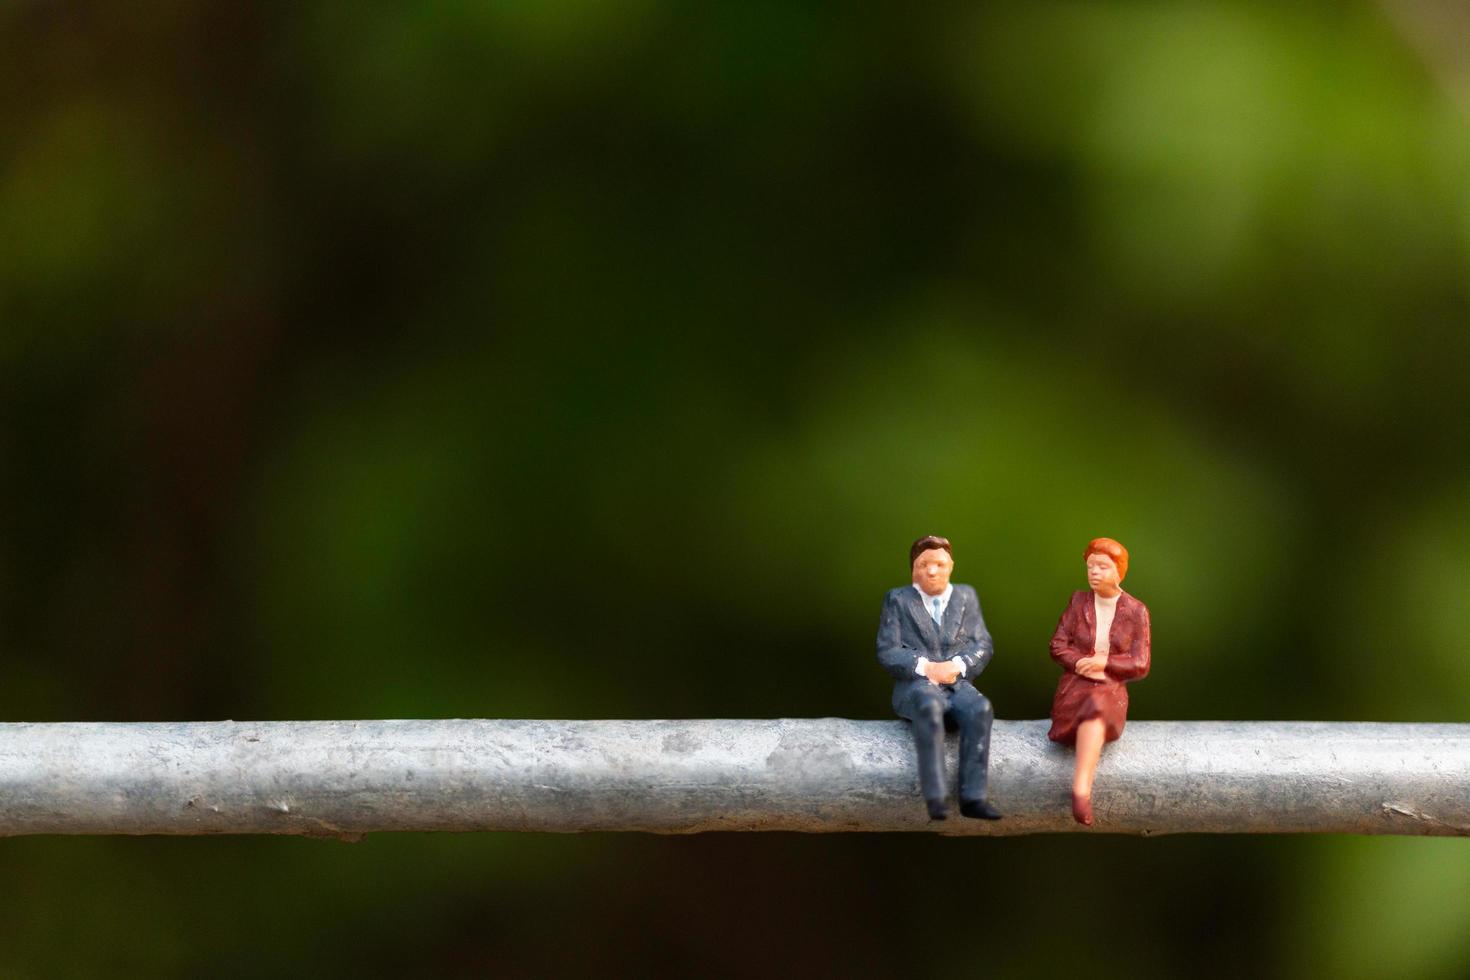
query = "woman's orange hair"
x=1111 y=548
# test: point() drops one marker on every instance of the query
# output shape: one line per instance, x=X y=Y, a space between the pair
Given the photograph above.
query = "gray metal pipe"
x=348 y=778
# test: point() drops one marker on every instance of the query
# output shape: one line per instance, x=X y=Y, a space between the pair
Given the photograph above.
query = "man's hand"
x=1093 y=667
x=946 y=672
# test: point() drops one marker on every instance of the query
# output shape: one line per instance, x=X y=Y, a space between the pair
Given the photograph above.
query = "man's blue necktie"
x=935 y=614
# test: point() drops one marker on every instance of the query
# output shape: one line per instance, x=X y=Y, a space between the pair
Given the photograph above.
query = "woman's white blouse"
x=1103 y=610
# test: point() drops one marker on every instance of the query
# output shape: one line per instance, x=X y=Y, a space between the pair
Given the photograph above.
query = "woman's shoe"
x=1082 y=809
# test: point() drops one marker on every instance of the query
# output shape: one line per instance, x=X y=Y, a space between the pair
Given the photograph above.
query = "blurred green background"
x=357 y=359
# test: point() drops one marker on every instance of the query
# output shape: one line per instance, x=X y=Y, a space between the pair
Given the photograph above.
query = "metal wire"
x=348 y=778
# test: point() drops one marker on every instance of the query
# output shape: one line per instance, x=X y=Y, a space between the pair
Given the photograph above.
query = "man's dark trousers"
x=927 y=707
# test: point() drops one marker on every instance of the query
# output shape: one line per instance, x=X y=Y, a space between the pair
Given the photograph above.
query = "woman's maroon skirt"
x=1079 y=699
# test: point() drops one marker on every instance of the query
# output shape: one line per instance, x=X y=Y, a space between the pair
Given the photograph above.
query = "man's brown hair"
x=926 y=543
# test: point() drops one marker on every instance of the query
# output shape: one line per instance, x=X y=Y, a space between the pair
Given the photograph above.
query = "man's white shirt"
x=943 y=600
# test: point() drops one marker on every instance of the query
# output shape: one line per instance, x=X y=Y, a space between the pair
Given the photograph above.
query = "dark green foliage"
x=339 y=343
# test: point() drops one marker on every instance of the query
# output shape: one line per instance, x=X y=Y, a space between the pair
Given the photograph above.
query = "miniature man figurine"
x=932 y=641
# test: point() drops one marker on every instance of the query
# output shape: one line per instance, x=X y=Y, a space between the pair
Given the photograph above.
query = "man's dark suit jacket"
x=907 y=632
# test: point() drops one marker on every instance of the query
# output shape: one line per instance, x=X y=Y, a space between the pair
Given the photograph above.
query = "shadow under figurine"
x=1102 y=643
x=932 y=641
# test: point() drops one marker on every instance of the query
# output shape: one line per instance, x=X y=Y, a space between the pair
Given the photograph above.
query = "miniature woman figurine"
x=1102 y=643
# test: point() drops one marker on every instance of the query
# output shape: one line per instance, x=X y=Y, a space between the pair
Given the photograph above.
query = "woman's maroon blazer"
x=1077 y=698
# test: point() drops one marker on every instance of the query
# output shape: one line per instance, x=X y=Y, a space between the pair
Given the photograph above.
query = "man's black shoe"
x=979 y=809
x=937 y=810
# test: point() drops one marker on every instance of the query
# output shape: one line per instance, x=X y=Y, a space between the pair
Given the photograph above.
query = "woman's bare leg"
x=1089 y=749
